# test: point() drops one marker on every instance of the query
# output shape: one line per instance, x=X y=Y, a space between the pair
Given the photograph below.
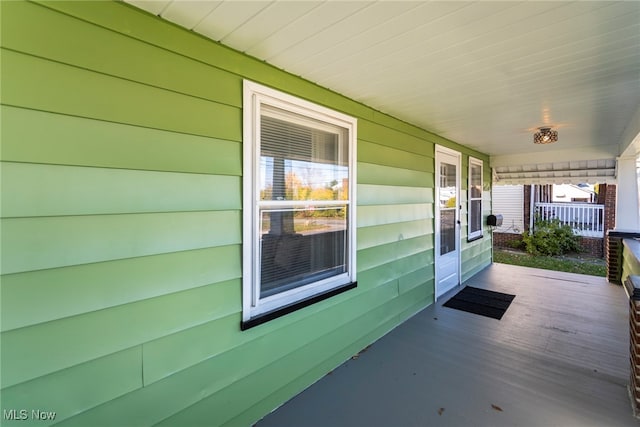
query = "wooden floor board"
x=558 y=357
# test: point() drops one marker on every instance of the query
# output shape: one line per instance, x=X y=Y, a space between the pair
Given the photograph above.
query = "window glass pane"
x=476 y=181
x=302 y=159
x=301 y=246
x=475 y=216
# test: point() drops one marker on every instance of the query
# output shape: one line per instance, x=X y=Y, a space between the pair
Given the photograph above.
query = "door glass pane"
x=447 y=231
x=447 y=185
x=448 y=206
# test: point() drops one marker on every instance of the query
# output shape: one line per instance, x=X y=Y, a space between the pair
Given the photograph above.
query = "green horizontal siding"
x=51 y=86
x=49 y=242
x=472 y=268
x=382 y=155
x=47 y=190
x=386 y=214
x=382 y=254
x=122 y=213
x=101 y=285
x=293 y=338
x=67 y=140
x=81 y=338
x=382 y=134
x=420 y=278
x=74 y=390
x=56 y=33
x=395 y=270
x=386 y=175
x=476 y=248
x=382 y=234
x=371 y=194
x=181 y=350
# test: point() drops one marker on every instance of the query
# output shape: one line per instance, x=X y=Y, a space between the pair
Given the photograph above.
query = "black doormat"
x=481 y=301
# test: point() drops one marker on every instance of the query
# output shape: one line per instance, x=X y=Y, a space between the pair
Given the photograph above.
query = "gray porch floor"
x=558 y=357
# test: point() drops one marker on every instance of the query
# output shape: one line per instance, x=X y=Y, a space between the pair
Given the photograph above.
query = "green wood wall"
x=121 y=226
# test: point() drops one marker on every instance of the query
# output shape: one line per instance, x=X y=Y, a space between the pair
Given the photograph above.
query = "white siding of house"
x=508 y=202
x=570 y=193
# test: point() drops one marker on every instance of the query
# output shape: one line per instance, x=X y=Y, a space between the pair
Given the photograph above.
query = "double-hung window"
x=474 y=216
x=299 y=203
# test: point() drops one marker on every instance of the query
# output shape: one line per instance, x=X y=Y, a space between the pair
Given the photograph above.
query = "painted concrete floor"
x=558 y=357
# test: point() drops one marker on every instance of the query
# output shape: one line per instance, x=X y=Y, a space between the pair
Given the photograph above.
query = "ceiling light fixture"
x=545 y=136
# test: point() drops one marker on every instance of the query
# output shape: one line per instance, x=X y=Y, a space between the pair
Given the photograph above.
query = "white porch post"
x=628 y=198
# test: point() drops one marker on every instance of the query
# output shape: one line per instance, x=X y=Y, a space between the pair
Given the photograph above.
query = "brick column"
x=610 y=207
x=612 y=243
x=613 y=256
x=602 y=194
x=614 y=253
x=632 y=289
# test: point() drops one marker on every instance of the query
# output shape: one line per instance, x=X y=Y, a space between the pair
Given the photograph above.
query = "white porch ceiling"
x=484 y=74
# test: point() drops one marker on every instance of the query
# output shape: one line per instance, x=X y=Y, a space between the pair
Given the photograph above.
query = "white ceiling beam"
x=557 y=180
x=600 y=152
x=571 y=173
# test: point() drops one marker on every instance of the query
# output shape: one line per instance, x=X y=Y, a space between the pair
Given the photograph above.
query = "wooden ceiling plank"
x=228 y=16
x=188 y=13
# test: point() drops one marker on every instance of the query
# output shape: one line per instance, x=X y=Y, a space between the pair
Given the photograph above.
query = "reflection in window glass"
x=475 y=215
x=475 y=198
x=301 y=246
x=447 y=191
x=476 y=181
x=302 y=162
x=447 y=231
x=448 y=206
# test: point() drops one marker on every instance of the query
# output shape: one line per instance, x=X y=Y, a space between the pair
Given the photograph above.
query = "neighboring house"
x=573 y=193
x=144 y=282
x=516 y=203
x=577 y=205
x=508 y=201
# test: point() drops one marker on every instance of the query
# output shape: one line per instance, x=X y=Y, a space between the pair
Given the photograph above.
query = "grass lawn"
x=575 y=264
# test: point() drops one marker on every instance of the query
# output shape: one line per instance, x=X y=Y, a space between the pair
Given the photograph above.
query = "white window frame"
x=254 y=97
x=477 y=234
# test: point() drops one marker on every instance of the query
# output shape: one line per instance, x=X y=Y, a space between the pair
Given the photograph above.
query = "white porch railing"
x=586 y=219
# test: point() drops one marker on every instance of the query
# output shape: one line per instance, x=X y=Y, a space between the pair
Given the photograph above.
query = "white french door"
x=447 y=227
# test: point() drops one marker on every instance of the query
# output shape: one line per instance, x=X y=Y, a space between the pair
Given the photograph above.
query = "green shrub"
x=551 y=237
